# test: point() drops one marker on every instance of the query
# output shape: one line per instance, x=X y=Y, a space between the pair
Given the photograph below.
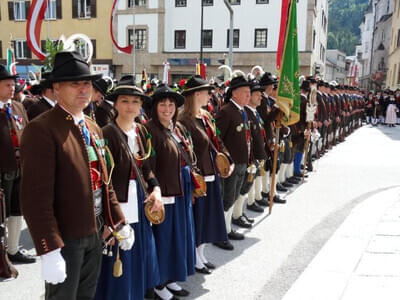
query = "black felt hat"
x=267 y=79
x=102 y=85
x=306 y=85
x=128 y=87
x=255 y=86
x=164 y=91
x=71 y=66
x=195 y=83
x=4 y=74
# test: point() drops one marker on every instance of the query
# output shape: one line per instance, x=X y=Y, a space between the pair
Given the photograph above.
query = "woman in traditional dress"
x=140 y=264
x=175 y=236
x=208 y=210
x=391 y=110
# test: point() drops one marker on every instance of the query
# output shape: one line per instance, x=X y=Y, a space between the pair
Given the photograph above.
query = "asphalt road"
x=280 y=246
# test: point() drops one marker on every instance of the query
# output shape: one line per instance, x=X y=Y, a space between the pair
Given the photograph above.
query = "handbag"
x=155 y=217
x=7 y=270
x=200 y=189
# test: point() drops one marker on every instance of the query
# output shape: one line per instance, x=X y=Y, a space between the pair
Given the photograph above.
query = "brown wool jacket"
x=258 y=140
x=229 y=120
x=201 y=144
x=166 y=163
x=122 y=159
x=8 y=161
x=56 y=194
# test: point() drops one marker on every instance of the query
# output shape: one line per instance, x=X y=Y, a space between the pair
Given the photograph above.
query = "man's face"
x=269 y=89
x=255 y=99
x=73 y=95
x=7 y=88
x=241 y=95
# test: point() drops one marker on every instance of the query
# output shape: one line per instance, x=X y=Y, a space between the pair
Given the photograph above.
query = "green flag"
x=288 y=98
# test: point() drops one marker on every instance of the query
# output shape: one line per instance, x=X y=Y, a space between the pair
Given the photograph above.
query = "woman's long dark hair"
x=154 y=115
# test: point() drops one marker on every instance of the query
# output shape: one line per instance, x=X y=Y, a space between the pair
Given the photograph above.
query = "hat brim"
x=97 y=87
x=242 y=84
x=196 y=89
x=91 y=77
x=177 y=97
x=9 y=77
x=126 y=92
x=257 y=89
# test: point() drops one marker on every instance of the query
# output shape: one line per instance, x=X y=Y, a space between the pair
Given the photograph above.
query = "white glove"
x=53 y=267
x=128 y=237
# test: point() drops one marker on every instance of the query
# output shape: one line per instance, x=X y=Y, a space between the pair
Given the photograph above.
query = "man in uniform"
x=13 y=120
x=232 y=121
x=66 y=195
x=104 y=110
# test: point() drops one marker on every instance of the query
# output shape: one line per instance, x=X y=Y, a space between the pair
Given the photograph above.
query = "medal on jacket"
x=239 y=128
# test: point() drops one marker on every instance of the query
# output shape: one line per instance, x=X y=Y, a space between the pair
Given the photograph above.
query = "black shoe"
x=209 y=265
x=255 y=207
x=281 y=188
x=250 y=220
x=263 y=202
x=22 y=257
x=279 y=200
x=265 y=195
x=241 y=222
x=203 y=270
x=293 y=180
x=233 y=235
x=287 y=184
x=226 y=245
x=299 y=175
x=149 y=294
x=182 y=292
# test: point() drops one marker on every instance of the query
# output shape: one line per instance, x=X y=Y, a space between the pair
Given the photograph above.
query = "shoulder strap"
x=139 y=174
x=180 y=149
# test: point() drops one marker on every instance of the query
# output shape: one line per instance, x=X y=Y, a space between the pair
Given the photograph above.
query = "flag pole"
x=274 y=162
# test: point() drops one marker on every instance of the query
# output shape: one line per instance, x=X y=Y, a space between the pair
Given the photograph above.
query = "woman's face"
x=203 y=97
x=166 y=110
x=128 y=106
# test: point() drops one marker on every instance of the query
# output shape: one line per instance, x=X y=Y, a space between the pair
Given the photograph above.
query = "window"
x=260 y=38
x=51 y=10
x=208 y=2
x=235 y=38
x=234 y=2
x=180 y=3
x=313 y=39
x=84 y=11
x=180 y=39
x=140 y=38
x=132 y=3
x=398 y=38
x=19 y=10
x=21 y=49
x=82 y=48
x=207 y=38
x=262 y=1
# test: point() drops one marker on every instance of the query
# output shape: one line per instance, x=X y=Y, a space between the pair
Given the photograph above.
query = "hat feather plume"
x=227 y=68
x=257 y=70
x=238 y=73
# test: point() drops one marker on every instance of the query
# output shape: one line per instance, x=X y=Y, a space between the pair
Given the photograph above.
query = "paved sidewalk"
x=361 y=260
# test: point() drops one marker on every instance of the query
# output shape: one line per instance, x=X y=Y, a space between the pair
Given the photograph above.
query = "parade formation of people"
x=135 y=181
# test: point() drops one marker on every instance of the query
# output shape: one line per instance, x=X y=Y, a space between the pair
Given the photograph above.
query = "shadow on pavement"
x=391 y=132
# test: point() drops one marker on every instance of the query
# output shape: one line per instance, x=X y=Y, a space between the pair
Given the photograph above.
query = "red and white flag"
x=33 y=26
x=127 y=49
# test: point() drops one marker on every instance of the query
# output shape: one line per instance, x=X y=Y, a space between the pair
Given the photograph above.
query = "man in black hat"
x=232 y=121
x=47 y=100
x=269 y=111
x=105 y=111
x=22 y=95
x=64 y=165
x=13 y=120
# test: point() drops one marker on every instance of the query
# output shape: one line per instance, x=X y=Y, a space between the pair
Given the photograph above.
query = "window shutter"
x=11 y=10
x=43 y=46
x=27 y=6
x=94 y=48
x=93 y=9
x=14 y=44
x=58 y=9
x=1 y=50
x=28 y=50
x=75 y=9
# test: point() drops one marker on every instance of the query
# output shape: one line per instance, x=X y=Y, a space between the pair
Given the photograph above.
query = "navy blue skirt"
x=175 y=236
x=140 y=264
x=209 y=216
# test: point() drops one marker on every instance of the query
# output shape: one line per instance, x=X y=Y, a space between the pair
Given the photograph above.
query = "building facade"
x=89 y=17
x=170 y=31
x=335 y=66
x=393 y=78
